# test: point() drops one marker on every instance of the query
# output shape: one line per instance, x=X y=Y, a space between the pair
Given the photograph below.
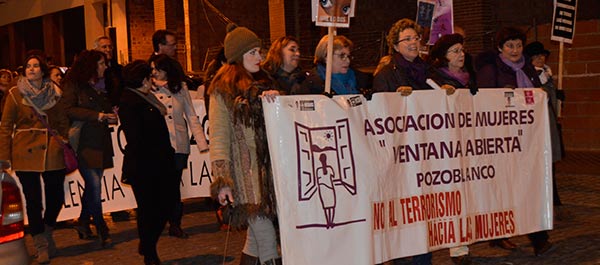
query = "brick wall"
x=581 y=112
x=140 y=27
x=581 y=83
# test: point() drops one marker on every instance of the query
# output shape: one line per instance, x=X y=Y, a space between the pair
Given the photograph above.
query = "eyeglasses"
x=407 y=39
x=344 y=56
x=457 y=50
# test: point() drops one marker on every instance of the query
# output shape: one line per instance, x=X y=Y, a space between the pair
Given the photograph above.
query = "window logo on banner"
x=325 y=169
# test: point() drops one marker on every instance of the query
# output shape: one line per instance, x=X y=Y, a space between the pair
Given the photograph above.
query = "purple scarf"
x=522 y=79
x=462 y=76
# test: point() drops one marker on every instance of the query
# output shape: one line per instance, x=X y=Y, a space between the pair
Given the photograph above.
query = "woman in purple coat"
x=509 y=68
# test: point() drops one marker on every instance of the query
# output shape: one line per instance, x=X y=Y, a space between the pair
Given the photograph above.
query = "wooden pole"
x=561 y=51
x=188 y=39
x=330 y=36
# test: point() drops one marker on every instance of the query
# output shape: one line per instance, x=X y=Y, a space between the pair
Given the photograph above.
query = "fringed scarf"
x=522 y=79
x=247 y=112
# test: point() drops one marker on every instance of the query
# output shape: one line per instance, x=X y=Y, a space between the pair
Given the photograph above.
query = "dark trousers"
x=538 y=238
x=555 y=197
x=180 y=164
x=155 y=197
x=54 y=197
x=423 y=259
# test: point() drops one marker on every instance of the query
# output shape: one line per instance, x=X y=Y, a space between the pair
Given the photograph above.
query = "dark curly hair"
x=85 y=67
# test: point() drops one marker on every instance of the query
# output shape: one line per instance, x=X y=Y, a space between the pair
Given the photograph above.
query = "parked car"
x=12 y=233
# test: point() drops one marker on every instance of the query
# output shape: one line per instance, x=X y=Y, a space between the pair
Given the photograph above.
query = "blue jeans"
x=91 y=201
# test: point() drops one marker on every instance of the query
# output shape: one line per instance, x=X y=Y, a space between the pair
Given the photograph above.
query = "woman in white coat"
x=171 y=91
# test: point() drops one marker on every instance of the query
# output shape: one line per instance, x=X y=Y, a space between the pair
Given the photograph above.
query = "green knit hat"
x=238 y=41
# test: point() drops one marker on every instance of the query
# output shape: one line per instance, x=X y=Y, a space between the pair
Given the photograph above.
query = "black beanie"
x=439 y=50
x=238 y=41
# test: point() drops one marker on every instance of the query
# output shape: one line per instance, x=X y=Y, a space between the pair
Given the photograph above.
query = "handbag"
x=70 y=156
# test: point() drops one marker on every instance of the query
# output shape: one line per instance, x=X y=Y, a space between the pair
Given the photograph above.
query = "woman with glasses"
x=344 y=79
x=447 y=58
x=406 y=70
x=283 y=63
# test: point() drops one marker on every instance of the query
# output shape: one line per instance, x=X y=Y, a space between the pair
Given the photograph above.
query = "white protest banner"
x=363 y=182
x=116 y=196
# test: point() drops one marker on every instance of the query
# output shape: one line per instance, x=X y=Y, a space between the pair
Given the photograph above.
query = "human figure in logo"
x=325 y=176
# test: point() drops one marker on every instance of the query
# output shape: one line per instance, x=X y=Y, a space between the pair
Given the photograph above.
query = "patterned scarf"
x=44 y=98
x=522 y=79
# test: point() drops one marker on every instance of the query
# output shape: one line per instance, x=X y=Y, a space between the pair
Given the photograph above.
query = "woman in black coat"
x=88 y=107
x=148 y=163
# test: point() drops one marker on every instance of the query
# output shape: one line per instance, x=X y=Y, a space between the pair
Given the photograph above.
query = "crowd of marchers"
x=47 y=108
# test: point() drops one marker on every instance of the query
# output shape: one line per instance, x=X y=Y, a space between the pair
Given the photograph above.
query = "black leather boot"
x=105 y=240
x=83 y=229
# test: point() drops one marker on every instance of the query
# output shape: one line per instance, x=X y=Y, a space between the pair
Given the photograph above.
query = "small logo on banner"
x=529 y=97
x=305 y=105
x=354 y=101
x=509 y=95
x=325 y=168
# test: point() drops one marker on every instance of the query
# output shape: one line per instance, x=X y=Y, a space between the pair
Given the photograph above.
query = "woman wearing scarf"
x=239 y=155
x=149 y=159
x=448 y=68
x=511 y=69
x=283 y=63
x=405 y=70
x=86 y=102
x=33 y=151
x=344 y=79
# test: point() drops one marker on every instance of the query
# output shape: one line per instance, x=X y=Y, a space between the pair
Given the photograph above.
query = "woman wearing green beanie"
x=239 y=153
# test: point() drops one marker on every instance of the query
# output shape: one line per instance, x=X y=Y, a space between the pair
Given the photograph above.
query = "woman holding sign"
x=238 y=145
x=344 y=79
x=509 y=68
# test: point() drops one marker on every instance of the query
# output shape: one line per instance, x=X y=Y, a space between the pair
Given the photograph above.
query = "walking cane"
x=230 y=205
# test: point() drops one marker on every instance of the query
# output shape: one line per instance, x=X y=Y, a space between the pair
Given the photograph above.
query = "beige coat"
x=25 y=141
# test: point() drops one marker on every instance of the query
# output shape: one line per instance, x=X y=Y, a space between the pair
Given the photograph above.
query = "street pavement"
x=576 y=235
